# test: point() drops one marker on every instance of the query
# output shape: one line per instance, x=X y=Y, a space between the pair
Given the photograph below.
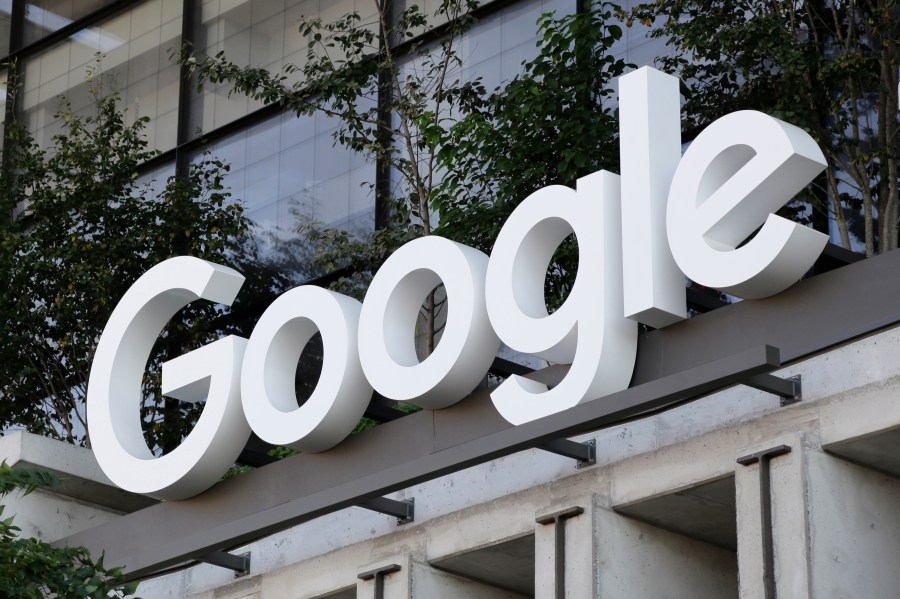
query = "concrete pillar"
x=789 y=528
x=564 y=528
x=833 y=526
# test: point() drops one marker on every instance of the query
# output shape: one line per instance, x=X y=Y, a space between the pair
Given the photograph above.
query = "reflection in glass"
x=128 y=54
x=5 y=12
x=288 y=173
x=43 y=17
x=259 y=34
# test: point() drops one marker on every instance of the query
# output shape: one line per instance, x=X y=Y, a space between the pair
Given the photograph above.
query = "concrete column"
x=564 y=532
x=789 y=528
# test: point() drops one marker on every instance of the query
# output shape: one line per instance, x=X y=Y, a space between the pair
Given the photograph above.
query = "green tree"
x=553 y=123
x=80 y=227
x=390 y=106
x=33 y=569
x=828 y=67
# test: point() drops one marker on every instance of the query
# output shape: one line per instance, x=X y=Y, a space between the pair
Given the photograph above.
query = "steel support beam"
x=388 y=458
x=790 y=390
x=404 y=510
x=239 y=563
x=584 y=453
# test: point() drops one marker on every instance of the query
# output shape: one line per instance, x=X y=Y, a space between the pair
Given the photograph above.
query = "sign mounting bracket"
x=790 y=389
x=240 y=563
x=404 y=510
x=584 y=453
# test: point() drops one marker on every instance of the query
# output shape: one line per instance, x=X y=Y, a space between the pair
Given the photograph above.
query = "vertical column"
x=762 y=459
x=13 y=74
x=385 y=97
x=564 y=551
x=772 y=518
x=190 y=25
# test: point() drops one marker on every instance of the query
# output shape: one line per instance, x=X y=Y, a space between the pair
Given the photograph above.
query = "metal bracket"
x=585 y=453
x=790 y=390
x=240 y=563
x=404 y=511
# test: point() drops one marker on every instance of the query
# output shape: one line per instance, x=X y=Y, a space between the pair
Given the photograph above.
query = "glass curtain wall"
x=287 y=171
x=5 y=16
x=289 y=174
x=260 y=34
x=126 y=54
x=43 y=17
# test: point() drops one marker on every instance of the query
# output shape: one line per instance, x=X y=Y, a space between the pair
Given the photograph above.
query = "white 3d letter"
x=589 y=330
x=649 y=149
x=114 y=391
x=738 y=171
x=388 y=320
x=270 y=366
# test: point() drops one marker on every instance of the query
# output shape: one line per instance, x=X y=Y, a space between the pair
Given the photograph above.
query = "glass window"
x=259 y=33
x=5 y=12
x=43 y=17
x=287 y=172
x=495 y=47
x=128 y=54
x=153 y=183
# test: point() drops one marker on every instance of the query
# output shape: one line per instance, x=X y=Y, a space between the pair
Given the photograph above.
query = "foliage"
x=551 y=124
x=828 y=67
x=33 y=569
x=80 y=228
x=389 y=105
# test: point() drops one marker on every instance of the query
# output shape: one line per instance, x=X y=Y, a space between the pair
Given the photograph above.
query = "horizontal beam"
x=585 y=453
x=674 y=365
x=240 y=564
x=790 y=389
x=388 y=458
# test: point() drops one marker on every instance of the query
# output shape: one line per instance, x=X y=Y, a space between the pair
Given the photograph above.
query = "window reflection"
x=5 y=12
x=259 y=34
x=287 y=173
x=43 y=17
x=128 y=53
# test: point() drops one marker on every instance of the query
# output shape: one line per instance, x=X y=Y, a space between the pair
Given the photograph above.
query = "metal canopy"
x=674 y=365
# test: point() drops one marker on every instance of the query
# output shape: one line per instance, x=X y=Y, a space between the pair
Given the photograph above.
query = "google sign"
x=638 y=234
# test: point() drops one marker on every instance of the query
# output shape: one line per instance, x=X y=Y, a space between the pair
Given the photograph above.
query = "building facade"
x=756 y=472
x=730 y=481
